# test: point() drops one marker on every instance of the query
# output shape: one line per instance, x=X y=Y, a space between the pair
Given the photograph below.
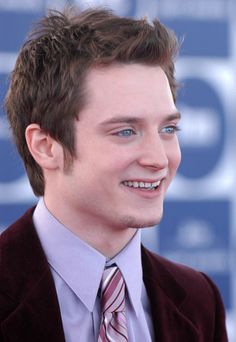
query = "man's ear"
x=46 y=151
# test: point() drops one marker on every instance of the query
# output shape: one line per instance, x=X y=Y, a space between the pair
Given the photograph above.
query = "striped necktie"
x=113 y=324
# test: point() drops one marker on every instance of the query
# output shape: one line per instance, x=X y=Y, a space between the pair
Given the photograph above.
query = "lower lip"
x=145 y=193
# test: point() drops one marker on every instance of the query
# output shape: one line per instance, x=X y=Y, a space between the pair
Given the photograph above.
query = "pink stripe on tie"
x=113 y=326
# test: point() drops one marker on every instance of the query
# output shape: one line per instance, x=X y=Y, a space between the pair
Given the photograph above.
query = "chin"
x=134 y=222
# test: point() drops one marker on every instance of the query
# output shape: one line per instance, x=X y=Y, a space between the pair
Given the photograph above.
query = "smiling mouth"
x=142 y=185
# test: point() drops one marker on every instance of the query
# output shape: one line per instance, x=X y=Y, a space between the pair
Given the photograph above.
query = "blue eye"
x=170 y=129
x=125 y=132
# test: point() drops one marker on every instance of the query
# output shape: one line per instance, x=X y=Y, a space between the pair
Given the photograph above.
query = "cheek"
x=117 y=160
x=174 y=157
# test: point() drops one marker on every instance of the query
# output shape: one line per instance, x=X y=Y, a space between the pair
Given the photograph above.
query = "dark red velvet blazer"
x=185 y=304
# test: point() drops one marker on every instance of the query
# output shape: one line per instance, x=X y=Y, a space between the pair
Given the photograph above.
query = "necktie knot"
x=113 y=290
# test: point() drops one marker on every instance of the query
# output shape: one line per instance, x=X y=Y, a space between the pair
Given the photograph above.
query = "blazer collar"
x=166 y=296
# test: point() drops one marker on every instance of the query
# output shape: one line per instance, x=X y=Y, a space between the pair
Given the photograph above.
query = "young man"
x=92 y=108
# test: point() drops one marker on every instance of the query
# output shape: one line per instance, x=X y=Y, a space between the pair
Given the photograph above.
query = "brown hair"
x=48 y=79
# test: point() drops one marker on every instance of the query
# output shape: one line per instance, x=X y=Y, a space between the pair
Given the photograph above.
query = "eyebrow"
x=132 y=120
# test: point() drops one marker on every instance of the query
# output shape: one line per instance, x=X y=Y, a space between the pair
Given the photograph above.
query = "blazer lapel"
x=41 y=312
x=166 y=297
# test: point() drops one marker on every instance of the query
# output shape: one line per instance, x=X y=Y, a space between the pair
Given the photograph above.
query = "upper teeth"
x=145 y=185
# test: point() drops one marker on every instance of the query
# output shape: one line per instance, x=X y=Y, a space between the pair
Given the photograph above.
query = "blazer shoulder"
x=21 y=256
x=16 y=242
x=16 y=229
x=186 y=294
x=198 y=288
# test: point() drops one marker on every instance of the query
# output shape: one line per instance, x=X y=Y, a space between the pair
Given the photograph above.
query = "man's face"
x=126 y=146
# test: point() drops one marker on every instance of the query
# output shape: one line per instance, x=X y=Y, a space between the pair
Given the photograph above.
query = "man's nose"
x=153 y=153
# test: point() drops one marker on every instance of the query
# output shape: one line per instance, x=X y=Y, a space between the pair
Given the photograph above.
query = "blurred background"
x=199 y=224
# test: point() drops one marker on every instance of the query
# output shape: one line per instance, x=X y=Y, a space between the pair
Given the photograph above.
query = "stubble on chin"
x=132 y=222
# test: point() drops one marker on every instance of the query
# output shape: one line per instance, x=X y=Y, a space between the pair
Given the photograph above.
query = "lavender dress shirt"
x=77 y=271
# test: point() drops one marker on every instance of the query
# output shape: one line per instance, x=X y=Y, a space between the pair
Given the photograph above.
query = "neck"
x=109 y=240
x=106 y=242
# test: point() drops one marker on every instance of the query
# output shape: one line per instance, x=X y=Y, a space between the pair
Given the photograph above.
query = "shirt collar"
x=129 y=263
x=80 y=265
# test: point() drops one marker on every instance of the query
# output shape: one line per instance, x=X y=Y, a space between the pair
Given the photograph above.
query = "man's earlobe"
x=43 y=148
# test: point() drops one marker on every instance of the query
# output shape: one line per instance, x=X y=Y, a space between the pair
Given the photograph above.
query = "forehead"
x=118 y=76
x=126 y=89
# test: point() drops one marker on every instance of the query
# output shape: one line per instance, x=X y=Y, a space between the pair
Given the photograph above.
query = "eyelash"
x=123 y=132
x=174 y=129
